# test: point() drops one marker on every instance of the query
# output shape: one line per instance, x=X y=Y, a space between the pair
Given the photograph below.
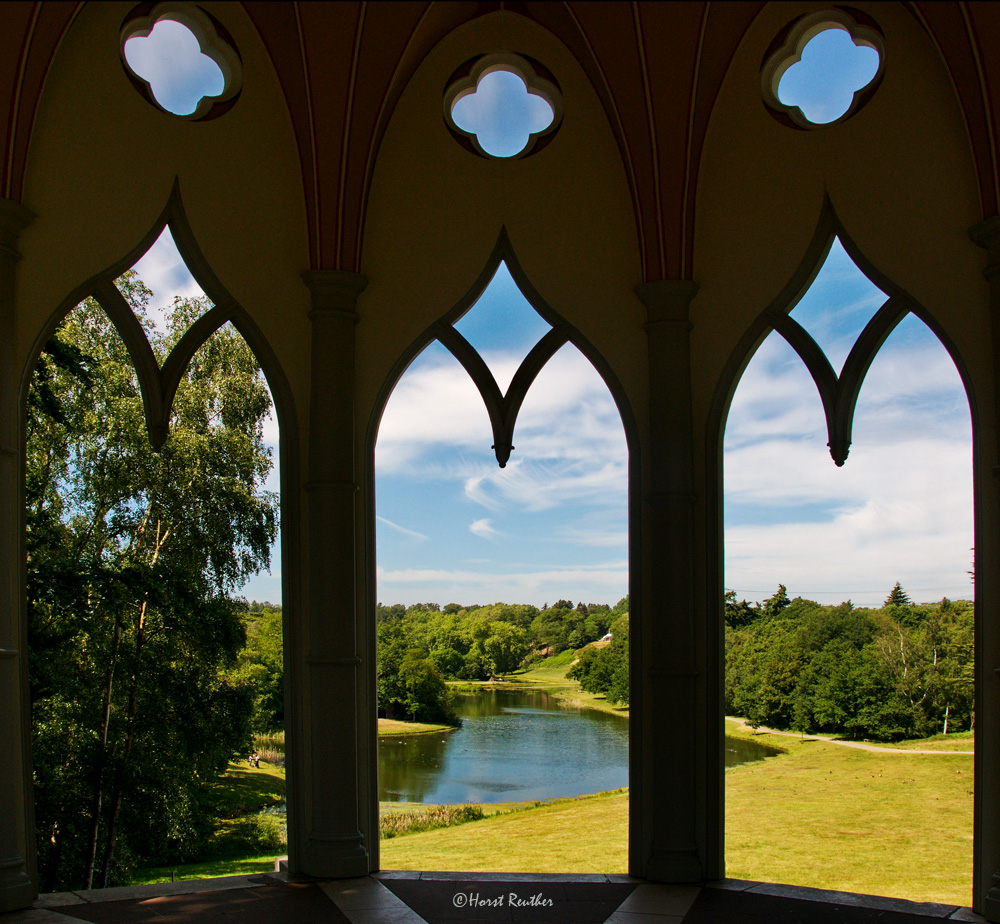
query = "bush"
x=395 y=824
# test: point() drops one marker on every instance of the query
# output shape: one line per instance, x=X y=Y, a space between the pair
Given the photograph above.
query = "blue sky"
x=454 y=527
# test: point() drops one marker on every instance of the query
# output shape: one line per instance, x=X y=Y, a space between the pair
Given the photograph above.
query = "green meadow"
x=820 y=814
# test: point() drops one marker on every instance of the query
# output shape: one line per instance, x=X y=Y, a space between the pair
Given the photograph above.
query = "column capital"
x=14 y=218
x=667 y=299
x=334 y=291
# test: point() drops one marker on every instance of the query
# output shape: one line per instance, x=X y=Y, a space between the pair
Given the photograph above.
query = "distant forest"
x=903 y=670
x=422 y=646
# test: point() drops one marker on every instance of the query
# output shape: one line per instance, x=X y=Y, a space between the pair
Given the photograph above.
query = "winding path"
x=846 y=744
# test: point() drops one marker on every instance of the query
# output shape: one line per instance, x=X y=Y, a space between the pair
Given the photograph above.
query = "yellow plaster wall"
x=899 y=174
x=436 y=211
x=102 y=163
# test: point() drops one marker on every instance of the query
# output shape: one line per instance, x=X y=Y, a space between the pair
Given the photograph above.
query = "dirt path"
x=846 y=744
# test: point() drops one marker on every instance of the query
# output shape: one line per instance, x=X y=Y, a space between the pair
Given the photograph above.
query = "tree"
x=133 y=556
x=897 y=597
x=739 y=615
x=773 y=605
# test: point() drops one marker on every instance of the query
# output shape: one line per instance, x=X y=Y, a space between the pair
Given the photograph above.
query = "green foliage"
x=897 y=597
x=394 y=824
x=261 y=669
x=739 y=615
x=132 y=556
x=899 y=671
x=606 y=670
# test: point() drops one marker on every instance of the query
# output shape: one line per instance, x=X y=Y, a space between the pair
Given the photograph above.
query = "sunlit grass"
x=583 y=835
x=835 y=817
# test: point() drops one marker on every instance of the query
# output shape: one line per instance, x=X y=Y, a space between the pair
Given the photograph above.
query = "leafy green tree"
x=261 y=668
x=606 y=670
x=773 y=605
x=505 y=646
x=132 y=559
x=426 y=697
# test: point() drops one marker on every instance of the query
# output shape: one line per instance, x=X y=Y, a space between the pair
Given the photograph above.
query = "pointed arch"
x=562 y=332
x=838 y=394
x=842 y=394
x=158 y=387
x=158 y=384
x=501 y=407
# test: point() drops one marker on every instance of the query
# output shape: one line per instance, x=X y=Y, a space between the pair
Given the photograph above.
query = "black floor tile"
x=719 y=906
x=272 y=903
x=444 y=902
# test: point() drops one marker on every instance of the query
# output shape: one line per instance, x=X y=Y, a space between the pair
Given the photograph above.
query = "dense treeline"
x=421 y=646
x=900 y=671
x=133 y=557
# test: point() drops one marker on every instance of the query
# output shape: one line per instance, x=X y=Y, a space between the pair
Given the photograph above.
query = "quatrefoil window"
x=182 y=61
x=823 y=68
x=502 y=106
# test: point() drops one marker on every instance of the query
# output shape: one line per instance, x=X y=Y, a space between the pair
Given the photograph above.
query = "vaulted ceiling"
x=657 y=68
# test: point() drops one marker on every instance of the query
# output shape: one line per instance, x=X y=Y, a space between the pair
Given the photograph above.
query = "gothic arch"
x=839 y=396
x=502 y=410
x=158 y=387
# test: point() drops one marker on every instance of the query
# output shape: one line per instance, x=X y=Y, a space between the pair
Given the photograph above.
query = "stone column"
x=17 y=827
x=334 y=846
x=670 y=679
x=986 y=856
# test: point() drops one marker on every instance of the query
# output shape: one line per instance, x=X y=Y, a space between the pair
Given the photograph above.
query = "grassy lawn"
x=395 y=729
x=564 y=836
x=244 y=789
x=959 y=741
x=819 y=814
x=207 y=870
x=840 y=818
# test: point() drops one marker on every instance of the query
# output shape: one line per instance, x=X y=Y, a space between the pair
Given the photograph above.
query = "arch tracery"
x=158 y=383
x=503 y=407
x=838 y=392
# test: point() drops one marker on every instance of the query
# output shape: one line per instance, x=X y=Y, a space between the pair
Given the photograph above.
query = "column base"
x=330 y=857
x=674 y=866
x=16 y=888
x=991 y=909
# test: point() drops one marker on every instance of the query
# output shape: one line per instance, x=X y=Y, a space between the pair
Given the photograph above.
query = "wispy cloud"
x=483 y=529
x=412 y=533
x=899 y=509
x=597 y=583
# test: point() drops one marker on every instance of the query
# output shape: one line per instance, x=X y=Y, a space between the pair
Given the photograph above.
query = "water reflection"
x=516 y=746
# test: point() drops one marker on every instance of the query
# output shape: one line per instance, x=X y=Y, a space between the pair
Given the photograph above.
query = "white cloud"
x=899 y=509
x=412 y=533
x=599 y=583
x=165 y=272
x=569 y=440
x=483 y=529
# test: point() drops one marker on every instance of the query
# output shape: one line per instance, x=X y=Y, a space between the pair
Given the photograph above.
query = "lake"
x=517 y=746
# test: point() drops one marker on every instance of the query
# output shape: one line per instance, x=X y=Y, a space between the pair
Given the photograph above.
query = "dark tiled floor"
x=502 y=902
x=449 y=898
x=266 y=903
x=718 y=906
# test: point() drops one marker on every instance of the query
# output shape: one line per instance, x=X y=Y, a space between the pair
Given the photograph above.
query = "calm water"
x=513 y=747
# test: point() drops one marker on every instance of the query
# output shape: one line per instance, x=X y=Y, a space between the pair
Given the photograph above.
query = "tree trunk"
x=121 y=775
x=95 y=805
